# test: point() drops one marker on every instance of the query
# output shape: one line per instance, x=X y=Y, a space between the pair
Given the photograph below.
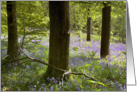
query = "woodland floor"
x=84 y=57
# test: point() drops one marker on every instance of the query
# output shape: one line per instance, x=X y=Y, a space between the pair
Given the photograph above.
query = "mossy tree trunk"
x=59 y=38
x=12 y=50
x=105 y=36
x=88 y=28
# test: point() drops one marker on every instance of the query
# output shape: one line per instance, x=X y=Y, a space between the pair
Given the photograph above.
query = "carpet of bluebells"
x=84 y=57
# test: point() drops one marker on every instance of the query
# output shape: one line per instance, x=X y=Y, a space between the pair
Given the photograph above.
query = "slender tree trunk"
x=105 y=36
x=88 y=28
x=59 y=38
x=12 y=50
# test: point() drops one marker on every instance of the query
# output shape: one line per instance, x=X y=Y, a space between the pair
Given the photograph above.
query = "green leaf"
x=91 y=81
x=75 y=48
x=96 y=82
x=86 y=65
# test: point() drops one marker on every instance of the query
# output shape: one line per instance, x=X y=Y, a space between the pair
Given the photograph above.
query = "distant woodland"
x=63 y=45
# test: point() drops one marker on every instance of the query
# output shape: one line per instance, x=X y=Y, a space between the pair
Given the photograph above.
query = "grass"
x=110 y=72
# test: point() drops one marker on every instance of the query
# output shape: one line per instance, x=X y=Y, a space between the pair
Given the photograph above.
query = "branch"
x=23 y=39
x=65 y=71
x=68 y=72
x=63 y=76
x=74 y=73
x=4 y=58
x=42 y=62
x=5 y=66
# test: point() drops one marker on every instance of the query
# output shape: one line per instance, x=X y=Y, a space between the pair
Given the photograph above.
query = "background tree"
x=105 y=36
x=118 y=17
x=12 y=49
x=88 y=26
x=59 y=38
x=79 y=16
x=84 y=57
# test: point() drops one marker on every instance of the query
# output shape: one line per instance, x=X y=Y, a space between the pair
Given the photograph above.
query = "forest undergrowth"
x=84 y=57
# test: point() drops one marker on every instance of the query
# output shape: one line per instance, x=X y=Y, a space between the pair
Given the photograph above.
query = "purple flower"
x=37 y=82
x=44 y=88
x=76 y=84
x=9 y=65
x=120 y=88
x=18 y=88
x=24 y=69
x=78 y=88
x=35 y=86
x=102 y=64
x=124 y=87
x=33 y=89
x=28 y=66
x=22 y=73
x=51 y=88
x=20 y=81
x=60 y=83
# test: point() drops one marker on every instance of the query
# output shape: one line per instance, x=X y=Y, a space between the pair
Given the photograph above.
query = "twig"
x=4 y=58
x=74 y=73
x=64 y=75
x=18 y=59
x=23 y=39
x=3 y=71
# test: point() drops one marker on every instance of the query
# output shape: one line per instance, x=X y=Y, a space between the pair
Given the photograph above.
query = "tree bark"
x=59 y=38
x=88 y=28
x=12 y=50
x=105 y=36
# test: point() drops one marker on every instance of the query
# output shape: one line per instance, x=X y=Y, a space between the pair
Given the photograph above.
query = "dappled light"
x=51 y=58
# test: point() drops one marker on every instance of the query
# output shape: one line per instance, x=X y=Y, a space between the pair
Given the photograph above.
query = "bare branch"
x=42 y=61
x=74 y=73
x=23 y=39
x=4 y=58
x=65 y=71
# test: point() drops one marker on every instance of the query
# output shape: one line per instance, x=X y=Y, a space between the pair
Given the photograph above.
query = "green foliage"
x=75 y=48
x=92 y=53
x=28 y=76
x=96 y=82
x=3 y=18
x=33 y=16
x=79 y=13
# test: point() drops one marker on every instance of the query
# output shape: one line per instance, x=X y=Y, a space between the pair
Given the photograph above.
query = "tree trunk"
x=12 y=50
x=59 y=38
x=105 y=36
x=88 y=28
